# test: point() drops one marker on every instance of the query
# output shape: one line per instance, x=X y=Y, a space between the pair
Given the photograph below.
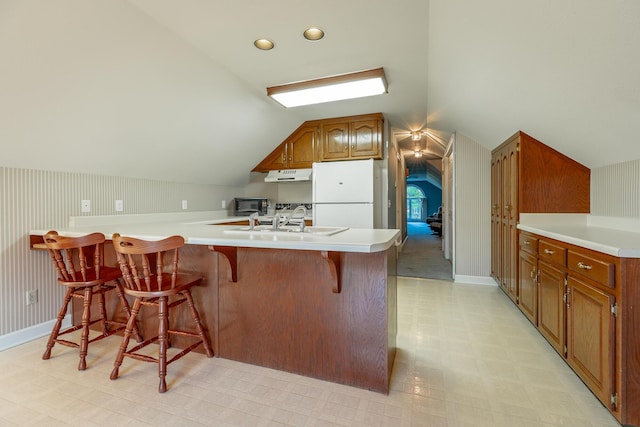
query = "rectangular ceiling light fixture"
x=328 y=89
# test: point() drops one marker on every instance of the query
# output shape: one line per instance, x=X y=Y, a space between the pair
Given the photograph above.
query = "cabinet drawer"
x=529 y=243
x=598 y=270
x=552 y=253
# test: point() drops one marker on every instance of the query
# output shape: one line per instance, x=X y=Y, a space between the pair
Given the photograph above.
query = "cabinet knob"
x=494 y=207
x=507 y=207
x=584 y=266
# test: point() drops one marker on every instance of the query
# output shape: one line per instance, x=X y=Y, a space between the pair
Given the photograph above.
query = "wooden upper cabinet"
x=549 y=181
x=335 y=140
x=342 y=138
x=543 y=181
x=365 y=137
x=351 y=138
x=302 y=147
x=298 y=151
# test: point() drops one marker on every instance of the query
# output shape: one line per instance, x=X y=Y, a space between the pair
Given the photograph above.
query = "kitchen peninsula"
x=318 y=305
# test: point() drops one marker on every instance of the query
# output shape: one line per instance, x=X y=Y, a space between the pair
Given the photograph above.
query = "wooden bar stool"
x=143 y=269
x=78 y=262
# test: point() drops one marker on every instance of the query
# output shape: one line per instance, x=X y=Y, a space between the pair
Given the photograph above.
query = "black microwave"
x=245 y=206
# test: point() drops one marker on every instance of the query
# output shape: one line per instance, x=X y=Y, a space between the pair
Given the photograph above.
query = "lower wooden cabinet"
x=591 y=337
x=587 y=306
x=551 y=307
x=528 y=287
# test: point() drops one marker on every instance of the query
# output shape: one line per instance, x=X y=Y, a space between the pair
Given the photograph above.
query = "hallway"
x=422 y=255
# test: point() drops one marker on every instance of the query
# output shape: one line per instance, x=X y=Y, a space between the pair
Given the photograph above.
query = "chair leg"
x=163 y=338
x=125 y=306
x=125 y=340
x=56 y=328
x=103 y=310
x=86 y=321
x=196 y=319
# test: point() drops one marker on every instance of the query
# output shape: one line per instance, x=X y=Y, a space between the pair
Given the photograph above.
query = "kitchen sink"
x=287 y=230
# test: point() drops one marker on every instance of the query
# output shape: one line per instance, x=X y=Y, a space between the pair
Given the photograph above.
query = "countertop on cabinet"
x=202 y=228
x=619 y=237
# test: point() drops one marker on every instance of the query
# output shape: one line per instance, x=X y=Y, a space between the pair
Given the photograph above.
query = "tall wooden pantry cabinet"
x=527 y=176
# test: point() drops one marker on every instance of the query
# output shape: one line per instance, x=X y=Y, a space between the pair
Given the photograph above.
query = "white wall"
x=97 y=101
x=472 y=211
x=99 y=87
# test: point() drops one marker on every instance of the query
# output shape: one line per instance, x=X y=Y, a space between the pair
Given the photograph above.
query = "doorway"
x=416 y=204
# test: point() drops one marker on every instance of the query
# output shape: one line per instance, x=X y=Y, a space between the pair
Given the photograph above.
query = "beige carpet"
x=422 y=254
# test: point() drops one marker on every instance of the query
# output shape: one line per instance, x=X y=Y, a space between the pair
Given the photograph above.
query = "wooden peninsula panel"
x=283 y=314
x=280 y=309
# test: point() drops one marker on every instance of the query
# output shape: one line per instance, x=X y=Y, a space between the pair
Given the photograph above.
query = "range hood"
x=289 y=175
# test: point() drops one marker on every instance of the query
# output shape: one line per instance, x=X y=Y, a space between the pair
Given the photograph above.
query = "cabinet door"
x=528 y=286
x=551 y=307
x=590 y=336
x=365 y=137
x=509 y=228
x=276 y=160
x=496 y=244
x=511 y=210
x=504 y=224
x=302 y=148
x=335 y=141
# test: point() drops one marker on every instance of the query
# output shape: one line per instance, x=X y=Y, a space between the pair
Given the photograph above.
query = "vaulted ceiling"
x=564 y=71
x=180 y=83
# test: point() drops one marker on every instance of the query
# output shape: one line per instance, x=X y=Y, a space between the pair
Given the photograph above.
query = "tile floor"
x=466 y=357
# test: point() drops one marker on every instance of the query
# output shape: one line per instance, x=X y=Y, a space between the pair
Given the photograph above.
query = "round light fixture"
x=313 y=33
x=264 y=44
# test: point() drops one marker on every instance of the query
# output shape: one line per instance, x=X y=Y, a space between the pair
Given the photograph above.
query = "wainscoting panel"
x=615 y=190
x=472 y=208
x=35 y=199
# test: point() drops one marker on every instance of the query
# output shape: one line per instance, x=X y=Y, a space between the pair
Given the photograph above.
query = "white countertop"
x=619 y=237
x=198 y=228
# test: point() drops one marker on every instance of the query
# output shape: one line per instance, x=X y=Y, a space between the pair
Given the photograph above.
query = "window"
x=416 y=203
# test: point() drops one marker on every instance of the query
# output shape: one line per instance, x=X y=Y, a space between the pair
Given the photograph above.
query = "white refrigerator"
x=347 y=194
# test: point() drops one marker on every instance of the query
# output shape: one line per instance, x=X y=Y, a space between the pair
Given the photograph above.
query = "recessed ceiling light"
x=335 y=88
x=313 y=33
x=264 y=44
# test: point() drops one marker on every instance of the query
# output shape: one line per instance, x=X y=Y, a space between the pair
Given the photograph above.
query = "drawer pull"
x=549 y=252
x=584 y=266
x=527 y=242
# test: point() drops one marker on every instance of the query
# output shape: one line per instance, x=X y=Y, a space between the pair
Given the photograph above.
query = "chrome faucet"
x=252 y=220
x=302 y=209
x=276 y=221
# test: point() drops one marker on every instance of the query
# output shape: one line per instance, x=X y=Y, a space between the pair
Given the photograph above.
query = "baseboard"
x=31 y=333
x=475 y=280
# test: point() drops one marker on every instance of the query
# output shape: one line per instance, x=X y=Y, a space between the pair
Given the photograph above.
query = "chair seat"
x=107 y=274
x=183 y=282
